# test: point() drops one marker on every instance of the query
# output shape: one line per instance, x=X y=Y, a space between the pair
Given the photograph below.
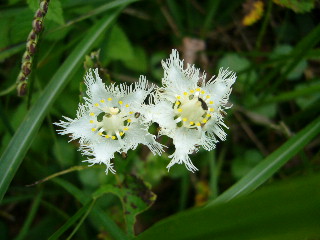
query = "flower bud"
x=26 y=68
x=31 y=47
x=37 y=25
x=22 y=89
x=44 y=6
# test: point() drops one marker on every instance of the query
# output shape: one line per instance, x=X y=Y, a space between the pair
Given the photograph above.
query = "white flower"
x=188 y=109
x=111 y=120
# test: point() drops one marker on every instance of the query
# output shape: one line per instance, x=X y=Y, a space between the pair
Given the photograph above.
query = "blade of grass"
x=34 y=208
x=11 y=50
x=264 y=170
x=71 y=221
x=21 y=141
x=264 y=26
x=97 y=214
x=82 y=220
x=286 y=96
x=54 y=209
x=298 y=53
x=176 y=13
x=93 y=12
x=212 y=8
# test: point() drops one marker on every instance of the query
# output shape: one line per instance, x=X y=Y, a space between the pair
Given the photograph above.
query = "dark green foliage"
x=246 y=187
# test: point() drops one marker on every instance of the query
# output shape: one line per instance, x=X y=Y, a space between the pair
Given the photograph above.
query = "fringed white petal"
x=220 y=87
x=102 y=153
x=78 y=129
x=163 y=114
x=95 y=87
x=139 y=134
x=138 y=92
x=208 y=142
x=185 y=142
x=176 y=78
x=214 y=127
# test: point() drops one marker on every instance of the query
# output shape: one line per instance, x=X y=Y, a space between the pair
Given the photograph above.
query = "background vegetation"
x=46 y=192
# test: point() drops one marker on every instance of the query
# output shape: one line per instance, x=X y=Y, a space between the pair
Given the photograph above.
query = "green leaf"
x=268 y=110
x=4 y=32
x=139 y=61
x=33 y=4
x=63 y=153
x=55 y=12
x=21 y=141
x=53 y=32
x=297 y=71
x=119 y=46
x=241 y=165
x=21 y=26
x=264 y=170
x=240 y=65
x=92 y=178
x=308 y=99
x=286 y=211
x=297 y=5
x=135 y=196
x=153 y=169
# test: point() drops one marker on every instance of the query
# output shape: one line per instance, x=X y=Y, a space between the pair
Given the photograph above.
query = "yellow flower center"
x=193 y=108
x=111 y=122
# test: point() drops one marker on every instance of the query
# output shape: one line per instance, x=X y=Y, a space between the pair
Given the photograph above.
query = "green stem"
x=34 y=208
x=213 y=174
x=82 y=220
x=264 y=26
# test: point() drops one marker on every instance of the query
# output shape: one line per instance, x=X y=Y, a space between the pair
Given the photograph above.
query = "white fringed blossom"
x=188 y=109
x=111 y=120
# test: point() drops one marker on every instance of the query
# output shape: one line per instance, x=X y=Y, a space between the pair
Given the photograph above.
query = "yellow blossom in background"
x=254 y=12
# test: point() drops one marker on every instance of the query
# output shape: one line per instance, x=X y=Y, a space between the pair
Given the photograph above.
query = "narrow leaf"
x=70 y=221
x=264 y=170
x=286 y=211
x=31 y=215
